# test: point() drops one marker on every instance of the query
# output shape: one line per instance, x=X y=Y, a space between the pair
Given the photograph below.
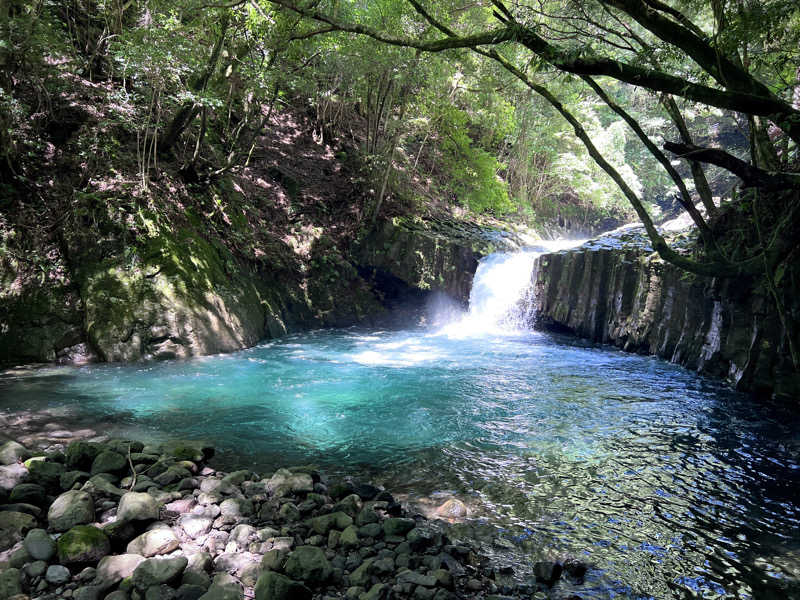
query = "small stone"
x=547 y=571
x=70 y=509
x=40 y=545
x=188 y=591
x=80 y=455
x=13 y=452
x=365 y=491
x=108 y=462
x=68 y=479
x=159 y=592
x=350 y=504
x=113 y=569
x=376 y=592
x=308 y=564
x=11 y=476
x=155 y=571
x=575 y=568
x=99 y=485
x=224 y=587
x=194 y=526
x=172 y=475
x=236 y=507
x=57 y=575
x=153 y=542
x=82 y=544
x=349 y=538
x=10 y=584
x=120 y=532
x=274 y=560
x=47 y=474
x=289 y=513
x=274 y=586
x=452 y=509
x=372 y=530
x=19 y=557
x=362 y=575
x=29 y=493
x=284 y=482
x=416 y=579
x=324 y=523
x=444 y=578
x=135 y=506
x=398 y=526
x=235 y=562
x=237 y=477
x=35 y=569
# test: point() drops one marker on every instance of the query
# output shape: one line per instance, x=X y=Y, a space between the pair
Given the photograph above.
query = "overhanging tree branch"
x=750 y=175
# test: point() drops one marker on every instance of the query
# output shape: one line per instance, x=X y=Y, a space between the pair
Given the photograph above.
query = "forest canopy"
x=579 y=111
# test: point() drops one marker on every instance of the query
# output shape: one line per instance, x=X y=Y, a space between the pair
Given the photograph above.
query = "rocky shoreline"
x=119 y=520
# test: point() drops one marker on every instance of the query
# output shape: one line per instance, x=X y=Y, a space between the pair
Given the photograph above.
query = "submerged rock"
x=452 y=509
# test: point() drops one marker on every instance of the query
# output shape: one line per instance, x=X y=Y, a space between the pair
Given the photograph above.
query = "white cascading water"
x=501 y=297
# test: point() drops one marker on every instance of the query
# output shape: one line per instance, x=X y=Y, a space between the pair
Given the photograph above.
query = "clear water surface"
x=668 y=484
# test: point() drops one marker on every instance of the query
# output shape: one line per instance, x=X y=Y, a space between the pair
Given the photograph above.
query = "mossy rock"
x=274 y=586
x=82 y=544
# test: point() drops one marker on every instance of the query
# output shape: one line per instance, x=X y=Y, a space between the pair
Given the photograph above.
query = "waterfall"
x=500 y=288
x=501 y=299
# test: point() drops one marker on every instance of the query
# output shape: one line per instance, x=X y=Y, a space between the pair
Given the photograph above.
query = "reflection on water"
x=670 y=485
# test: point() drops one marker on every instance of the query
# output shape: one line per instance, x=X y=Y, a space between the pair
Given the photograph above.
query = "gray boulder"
x=154 y=542
x=13 y=527
x=155 y=571
x=11 y=476
x=40 y=545
x=29 y=493
x=57 y=575
x=47 y=474
x=284 y=482
x=69 y=509
x=113 y=569
x=80 y=455
x=135 y=506
x=13 y=452
x=195 y=525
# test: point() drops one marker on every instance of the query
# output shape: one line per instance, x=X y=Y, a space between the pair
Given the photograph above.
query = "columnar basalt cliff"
x=615 y=290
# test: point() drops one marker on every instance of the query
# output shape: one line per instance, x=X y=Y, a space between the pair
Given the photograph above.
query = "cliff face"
x=430 y=255
x=615 y=290
x=182 y=294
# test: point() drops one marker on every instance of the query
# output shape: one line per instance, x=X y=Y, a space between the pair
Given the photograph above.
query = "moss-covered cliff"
x=181 y=292
x=615 y=290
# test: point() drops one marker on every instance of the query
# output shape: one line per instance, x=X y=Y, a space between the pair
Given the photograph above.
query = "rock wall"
x=177 y=296
x=615 y=290
x=431 y=255
x=181 y=294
